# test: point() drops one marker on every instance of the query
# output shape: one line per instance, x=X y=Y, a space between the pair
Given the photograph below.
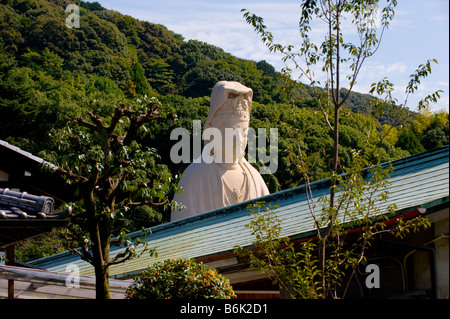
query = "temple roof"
x=418 y=183
x=24 y=215
x=26 y=172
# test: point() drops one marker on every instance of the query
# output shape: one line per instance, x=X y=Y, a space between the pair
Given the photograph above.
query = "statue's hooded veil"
x=220 y=93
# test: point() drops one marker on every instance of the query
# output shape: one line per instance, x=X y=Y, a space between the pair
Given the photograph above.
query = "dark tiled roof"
x=26 y=206
x=33 y=174
x=23 y=216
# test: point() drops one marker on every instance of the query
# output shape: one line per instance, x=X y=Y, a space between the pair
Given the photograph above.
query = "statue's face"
x=233 y=127
x=238 y=104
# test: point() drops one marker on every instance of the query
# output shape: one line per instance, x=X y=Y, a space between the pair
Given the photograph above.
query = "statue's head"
x=232 y=98
x=230 y=109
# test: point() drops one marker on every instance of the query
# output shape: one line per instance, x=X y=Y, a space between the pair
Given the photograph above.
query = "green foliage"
x=139 y=80
x=199 y=80
x=180 y=278
x=48 y=72
x=422 y=72
x=294 y=269
x=434 y=138
x=99 y=154
x=160 y=75
x=299 y=269
x=42 y=246
x=141 y=217
x=409 y=141
x=92 y=6
x=354 y=200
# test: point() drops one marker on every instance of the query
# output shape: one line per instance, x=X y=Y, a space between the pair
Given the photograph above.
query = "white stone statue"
x=222 y=176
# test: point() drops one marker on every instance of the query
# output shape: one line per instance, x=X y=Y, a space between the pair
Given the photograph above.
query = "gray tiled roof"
x=22 y=205
x=24 y=215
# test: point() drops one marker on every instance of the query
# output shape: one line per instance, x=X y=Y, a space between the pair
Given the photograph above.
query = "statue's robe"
x=206 y=189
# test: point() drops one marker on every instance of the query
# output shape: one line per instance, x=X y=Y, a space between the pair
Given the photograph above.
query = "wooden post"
x=10 y=255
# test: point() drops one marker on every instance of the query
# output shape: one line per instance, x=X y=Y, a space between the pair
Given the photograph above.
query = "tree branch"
x=96 y=119
x=83 y=122
x=67 y=174
x=84 y=254
x=149 y=202
x=126 y=255
x=137 y=122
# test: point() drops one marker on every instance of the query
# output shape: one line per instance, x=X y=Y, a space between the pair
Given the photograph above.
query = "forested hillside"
x=49 y=71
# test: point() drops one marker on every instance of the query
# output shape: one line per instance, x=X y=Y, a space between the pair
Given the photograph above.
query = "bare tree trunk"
x=101 y=282
x=335 y=89
x=99 y=238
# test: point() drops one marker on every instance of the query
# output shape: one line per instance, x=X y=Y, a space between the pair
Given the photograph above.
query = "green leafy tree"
x=199 y=80
x=38 y=247
x=267 y=69
x=93 y=6
x=410 y=142
x=100 y=156
x=139 y=80
x=297 y=268
x=341 y=58
x=10 y=30
x=434 y=138
x=194 y=51
x=430 y=128
x=160 y=76
x=180 y=278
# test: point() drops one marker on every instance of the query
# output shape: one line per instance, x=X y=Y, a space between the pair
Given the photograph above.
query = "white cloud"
x=374 y=70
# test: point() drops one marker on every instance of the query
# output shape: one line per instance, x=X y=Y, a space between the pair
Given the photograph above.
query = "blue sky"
x=419 y=31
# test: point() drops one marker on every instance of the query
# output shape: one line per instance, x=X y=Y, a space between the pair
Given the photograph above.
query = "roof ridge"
x=27 y=154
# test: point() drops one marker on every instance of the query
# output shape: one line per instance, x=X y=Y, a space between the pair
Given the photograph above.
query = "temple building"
x=416 y=266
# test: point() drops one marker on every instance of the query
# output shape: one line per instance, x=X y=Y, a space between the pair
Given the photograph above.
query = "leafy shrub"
x=180 y=278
